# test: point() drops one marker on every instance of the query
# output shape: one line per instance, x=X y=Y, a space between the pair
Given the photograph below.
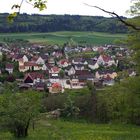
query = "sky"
x=72 y=7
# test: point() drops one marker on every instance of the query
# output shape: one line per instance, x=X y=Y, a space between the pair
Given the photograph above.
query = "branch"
x=29 y=3
x=20 y=5
x=118 y=17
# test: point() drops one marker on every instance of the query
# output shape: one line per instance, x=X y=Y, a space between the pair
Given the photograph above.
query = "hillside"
x=52 y=23
x=91 y=38
x=66 y=130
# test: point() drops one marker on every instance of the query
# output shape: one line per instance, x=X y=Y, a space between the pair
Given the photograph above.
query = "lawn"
x=66 y=130
x=62 y=37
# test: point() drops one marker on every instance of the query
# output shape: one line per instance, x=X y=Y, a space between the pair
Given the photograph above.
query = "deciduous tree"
x=18 y=110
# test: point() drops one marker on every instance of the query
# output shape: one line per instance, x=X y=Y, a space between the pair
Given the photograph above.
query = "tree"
x=18 y=110
x=40 y=4
x=92 y=101
x=134 y=9
x=62 y=73
x=70 y=110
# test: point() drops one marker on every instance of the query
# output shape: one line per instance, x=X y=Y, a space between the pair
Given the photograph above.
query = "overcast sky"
x=71 y=7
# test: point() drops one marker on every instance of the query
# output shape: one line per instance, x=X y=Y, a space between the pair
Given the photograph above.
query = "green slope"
x=64 y=130
x=60 y=38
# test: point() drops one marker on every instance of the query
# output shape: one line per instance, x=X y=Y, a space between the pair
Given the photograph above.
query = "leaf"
x=41 y=5
x=15 y=6
x=12 y=16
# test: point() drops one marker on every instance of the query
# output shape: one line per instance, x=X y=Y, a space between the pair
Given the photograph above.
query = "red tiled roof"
x=108 y=78
x=30 y=64
x=62 y=62
x=82 y=72
x=56 y=85
x=106 y=58
x=35 y=58
x=35 y=75
x=55 y=69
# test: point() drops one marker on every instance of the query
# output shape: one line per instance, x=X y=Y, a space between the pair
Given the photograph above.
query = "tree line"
x=52 y=23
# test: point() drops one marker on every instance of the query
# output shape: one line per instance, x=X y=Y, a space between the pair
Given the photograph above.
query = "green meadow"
x=62 y=37
x=68 y=130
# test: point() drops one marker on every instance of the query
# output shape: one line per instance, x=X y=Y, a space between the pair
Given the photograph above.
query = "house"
x=104 y=59
x=54 y=78
x=40 y=61
x=45 y=57
x=63 y=63
x=76 y=61
x=84 y=61
x=51 y=61
x=57 y=54
x=65 y=83
x=54 y=69
x=131 y=72
x=24 y=86
x=92 y=64
x=20 y=57
x=70 y=70
x=45 y=67
x=56 y=88
x=29 y=66
x=79 y=67
x=87 y=49
x=84 y=75
x=39 y=86
x=74 y=82
x=100 y=49
x=108 y=81
x=9 y=67
x=104 y=73
x=79 y=79
x=34 y=77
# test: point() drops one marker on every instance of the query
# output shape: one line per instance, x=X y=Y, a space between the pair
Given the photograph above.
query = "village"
x=55 y=68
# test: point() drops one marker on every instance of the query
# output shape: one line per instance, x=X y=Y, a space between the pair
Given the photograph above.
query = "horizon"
x=72 y=7
x=65 y=14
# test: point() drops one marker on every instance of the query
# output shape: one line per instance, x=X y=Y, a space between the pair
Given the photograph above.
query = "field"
x=65 y=130
x=62 y=37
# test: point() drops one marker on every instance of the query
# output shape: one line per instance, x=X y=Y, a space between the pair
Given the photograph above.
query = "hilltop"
x=53 y=23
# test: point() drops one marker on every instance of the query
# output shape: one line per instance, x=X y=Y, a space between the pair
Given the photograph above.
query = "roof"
x=55 y=69
x=106 y=58
x=18 y=56
x=56 y=85
x=39 y=86
x=30 y=64
x=82 y=72
x=34 y=75
x=77 y=60
x=63 y=61
x=79 y=65
x=92 y=62
x=108 y=78
x=9 y=66
x=100 y=49
x=102 y=72
x=34 y=58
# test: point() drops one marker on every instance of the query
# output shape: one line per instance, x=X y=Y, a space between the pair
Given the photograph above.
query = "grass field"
x=65 y=130
x=66 y=36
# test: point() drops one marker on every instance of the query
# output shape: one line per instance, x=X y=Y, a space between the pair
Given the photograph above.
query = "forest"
x=51 y=23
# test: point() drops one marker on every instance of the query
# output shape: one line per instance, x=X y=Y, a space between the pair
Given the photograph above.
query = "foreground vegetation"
x=62 y=37
x=68 y=130
x=120 y=104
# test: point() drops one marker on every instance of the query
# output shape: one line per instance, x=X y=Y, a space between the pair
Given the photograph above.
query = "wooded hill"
x=50 y=23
